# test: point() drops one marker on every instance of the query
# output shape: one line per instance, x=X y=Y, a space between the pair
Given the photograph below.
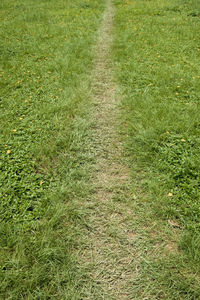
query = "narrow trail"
x=110 y=256
x=121 y=239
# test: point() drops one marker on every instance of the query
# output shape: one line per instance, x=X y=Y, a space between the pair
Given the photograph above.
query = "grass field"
x=46 y=59
x=51 y=143
x=157 y=62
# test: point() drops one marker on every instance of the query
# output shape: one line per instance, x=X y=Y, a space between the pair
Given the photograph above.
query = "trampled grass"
x=46 y=57
x=157 y=63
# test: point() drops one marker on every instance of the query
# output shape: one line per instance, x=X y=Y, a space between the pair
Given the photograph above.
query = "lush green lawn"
x=45 y=128
x=157 y=60
x=45 y=60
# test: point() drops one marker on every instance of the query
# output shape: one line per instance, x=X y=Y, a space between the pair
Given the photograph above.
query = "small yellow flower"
x=170 y=195
x=8 y=151
x=14 y=130
x=182 y=140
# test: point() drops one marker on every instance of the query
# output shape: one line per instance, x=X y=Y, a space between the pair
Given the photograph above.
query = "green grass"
x=157 y=62
x=46 y=54
x=45 y=62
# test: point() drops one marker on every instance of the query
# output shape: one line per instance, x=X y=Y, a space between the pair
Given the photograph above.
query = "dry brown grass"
x=110 y=253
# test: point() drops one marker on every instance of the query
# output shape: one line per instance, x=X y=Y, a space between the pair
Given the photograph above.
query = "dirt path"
x=109 y=257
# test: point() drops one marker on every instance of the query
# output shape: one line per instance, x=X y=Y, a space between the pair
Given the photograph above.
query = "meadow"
x=48 y=148
x=45 y=63
x=157 y=63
